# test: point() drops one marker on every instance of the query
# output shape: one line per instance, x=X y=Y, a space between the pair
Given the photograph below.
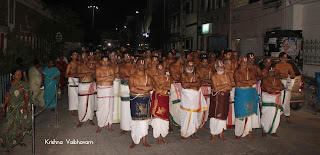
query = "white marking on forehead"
x=160 y=66
x=245 y=59
x=251 y=55
x=220 y=64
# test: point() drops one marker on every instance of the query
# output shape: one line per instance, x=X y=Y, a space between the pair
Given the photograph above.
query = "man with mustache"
x=219 y=106
x=192 y=103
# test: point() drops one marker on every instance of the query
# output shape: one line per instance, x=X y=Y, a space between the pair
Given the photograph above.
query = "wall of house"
x=250 y=23
x=311 y=35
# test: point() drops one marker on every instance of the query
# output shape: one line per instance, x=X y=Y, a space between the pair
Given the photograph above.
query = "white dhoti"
x=174 y=103
x=73 y=93
x=256 y=117
x=286 y=95
x=125 y=112
x=217 y=126
x=105 y=105
x=116 y=99
x=206 y=91
x=86 y=101
x=160 y=127
x=243 y=127
x=192 y=104
x=231 y=115
x=270 y=118
x=139 y=129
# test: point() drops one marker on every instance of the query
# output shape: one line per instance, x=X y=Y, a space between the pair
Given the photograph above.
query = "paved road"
x=301 y=138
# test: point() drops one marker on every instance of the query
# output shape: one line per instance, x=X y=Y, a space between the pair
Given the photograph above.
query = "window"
x=202 y=5
x=11 y=11
x=189 y=43
x=218 y=4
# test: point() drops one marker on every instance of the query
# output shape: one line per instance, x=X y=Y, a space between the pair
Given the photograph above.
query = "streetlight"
x=137 y=12
x=93 y=8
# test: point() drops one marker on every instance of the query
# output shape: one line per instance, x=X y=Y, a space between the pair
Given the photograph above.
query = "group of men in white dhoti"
x=140 y=92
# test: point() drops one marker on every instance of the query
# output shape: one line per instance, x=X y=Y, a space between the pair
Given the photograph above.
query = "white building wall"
x=250 y=23
x=311 y=32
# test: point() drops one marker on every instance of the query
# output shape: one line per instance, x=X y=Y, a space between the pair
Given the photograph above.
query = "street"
x=301 y=138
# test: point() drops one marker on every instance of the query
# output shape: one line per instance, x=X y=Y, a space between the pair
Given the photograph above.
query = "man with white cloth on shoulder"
x=193 y=102
x=105 y=78
x=175 y=70
x=271 y=103
x=286 y=75
x=219 y=106
x=73 y=81
x=140 y=86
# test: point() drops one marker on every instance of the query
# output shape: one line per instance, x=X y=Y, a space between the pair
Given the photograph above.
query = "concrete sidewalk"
x=301 y=138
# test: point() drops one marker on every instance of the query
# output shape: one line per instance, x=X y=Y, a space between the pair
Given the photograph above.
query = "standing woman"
x=51 y=76
x=18 y=117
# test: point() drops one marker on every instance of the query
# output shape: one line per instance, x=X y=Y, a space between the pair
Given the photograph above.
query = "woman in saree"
x=35 y=80
x=18 y=112
x=51 y=76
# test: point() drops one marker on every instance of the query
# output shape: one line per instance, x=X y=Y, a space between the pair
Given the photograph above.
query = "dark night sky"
x=111 y=13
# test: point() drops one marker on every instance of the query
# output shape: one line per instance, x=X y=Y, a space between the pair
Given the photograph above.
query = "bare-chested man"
x=160 y=104
x=86 y=87
x=244 y=94
x=258 y=74
x=219 y=106
x=125 y=70
x=205 y=72
x=267 y=66
x=287 y=75
x=148 y=58
x=140 y=86
x=114 y=64
x=271 y=103
x=175 y=69
x=97 y=58
x=73 y=81
x=153 y=69
x=228 y=70
x=192 y=103
x=168 y=61
x=212 y=59
x=227 y=55
x=253 y=67
x=196 y=58
x=105 y=78
x=234 y=61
